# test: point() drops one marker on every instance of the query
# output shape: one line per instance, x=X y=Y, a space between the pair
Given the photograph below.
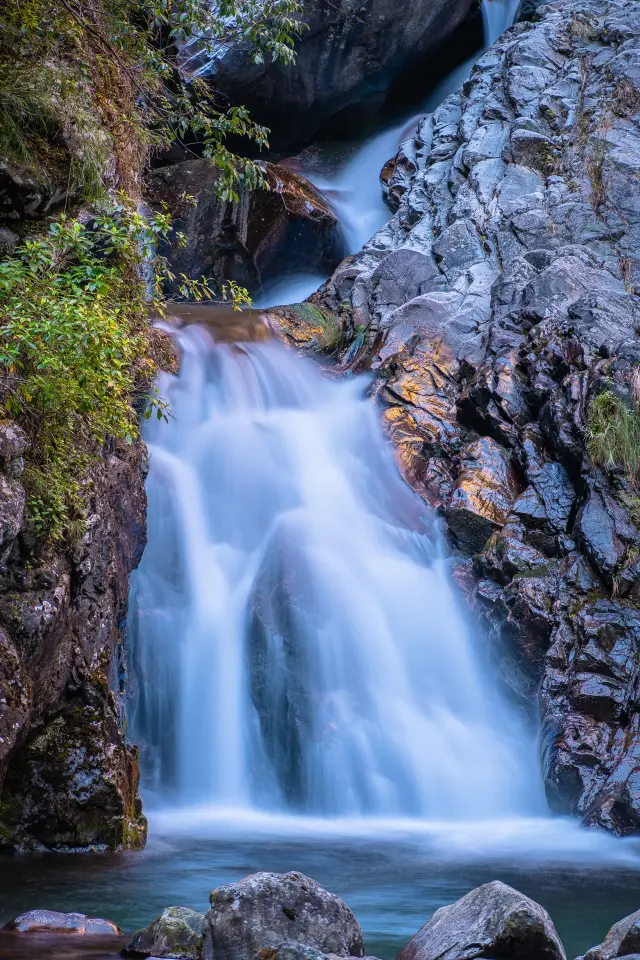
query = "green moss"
x=329 y=336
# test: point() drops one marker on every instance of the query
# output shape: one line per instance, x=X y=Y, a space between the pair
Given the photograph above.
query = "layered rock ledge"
x=499 y=301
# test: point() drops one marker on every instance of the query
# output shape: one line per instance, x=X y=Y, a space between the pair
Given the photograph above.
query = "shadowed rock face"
x=266 y=910
x=494 y=920
x=497 y=302
x=344 y=62
x=258 y=237
x=68 y=778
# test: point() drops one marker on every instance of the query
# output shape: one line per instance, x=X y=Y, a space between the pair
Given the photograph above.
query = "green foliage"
x=87 y=89
x=613 y=434
x=130 y=63
x=73 y=345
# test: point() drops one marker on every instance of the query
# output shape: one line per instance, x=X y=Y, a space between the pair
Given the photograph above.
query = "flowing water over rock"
x=294 y=626
x=498 y=15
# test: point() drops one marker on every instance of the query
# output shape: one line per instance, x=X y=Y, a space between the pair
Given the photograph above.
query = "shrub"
x=74 y=331
x=613 y=433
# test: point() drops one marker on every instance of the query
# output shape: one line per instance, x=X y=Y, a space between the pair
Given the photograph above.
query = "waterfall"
x=295 y=638
x=498 y=15
x=355 y=190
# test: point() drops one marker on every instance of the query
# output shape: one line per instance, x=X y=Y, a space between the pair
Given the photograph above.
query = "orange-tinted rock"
x=486 y=490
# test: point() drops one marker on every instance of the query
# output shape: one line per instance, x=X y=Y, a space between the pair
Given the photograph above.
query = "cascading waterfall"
x=295 y=637
x=297 y=640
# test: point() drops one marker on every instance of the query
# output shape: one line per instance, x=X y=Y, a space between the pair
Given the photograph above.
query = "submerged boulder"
x=178 y=934
x=266 y=910
x=493 y=920
x=247 y=241
x=51 y=921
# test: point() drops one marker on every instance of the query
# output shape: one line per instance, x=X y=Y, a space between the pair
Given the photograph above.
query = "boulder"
x=178 y=933
x=623 y=940
x=249 y=240
x=494 y=920
x=267 y=909
x=345 y=61
x=50 y=921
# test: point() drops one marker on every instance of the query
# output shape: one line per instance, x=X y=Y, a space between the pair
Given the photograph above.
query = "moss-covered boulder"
x=178 y=933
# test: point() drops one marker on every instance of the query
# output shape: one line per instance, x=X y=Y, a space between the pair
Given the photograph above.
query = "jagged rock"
x=249 y=240
x=50 y=921
x=268 y=909
x=344 y=63
x=484 y=494
x=521 y=190
x=494 y=920
x=589 y=716
x=623 y=940
x=178 y=934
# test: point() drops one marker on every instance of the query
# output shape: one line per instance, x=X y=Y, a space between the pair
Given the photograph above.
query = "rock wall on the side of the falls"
x=500 y=299
x=346 y=56
x=68 y=777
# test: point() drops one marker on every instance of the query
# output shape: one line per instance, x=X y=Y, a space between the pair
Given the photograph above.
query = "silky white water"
x=297 y=641
x=498 y=15
x=295 y=638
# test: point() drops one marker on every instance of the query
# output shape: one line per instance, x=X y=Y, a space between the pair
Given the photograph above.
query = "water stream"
x=308 y=692
x=296 y=640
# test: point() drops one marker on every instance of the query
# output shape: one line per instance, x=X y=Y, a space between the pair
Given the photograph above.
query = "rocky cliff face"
x=344 y=62
x=499 y=301
x=68 y=778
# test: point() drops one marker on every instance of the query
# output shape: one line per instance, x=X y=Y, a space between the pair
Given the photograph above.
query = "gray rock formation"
x=345 y=60
x=178 y=934
x=257 y=238
x=266 y=910
x=498 y=302
x=68 y=778
x=494 y=920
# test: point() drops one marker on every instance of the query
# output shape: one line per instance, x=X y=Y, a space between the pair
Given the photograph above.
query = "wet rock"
x=249 y=240
x=268 y=909
x=177 y=934
x=623 y=940
x=68 y=777
x=50 y=921
x=294 y=951
x=482 y=499
x=75 y=768
x=590 y=719
x=494 y=920
x=604 y=531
